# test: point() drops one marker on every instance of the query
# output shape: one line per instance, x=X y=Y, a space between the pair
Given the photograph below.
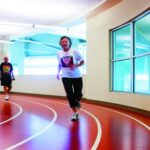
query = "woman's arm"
x=80 y=64
x=58 y=72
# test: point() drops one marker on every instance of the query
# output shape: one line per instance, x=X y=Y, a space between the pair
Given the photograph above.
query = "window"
x=131 y=56
x=40 y=65
x=37 y=54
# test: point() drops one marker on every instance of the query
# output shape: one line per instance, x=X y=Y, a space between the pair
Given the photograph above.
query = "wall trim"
x=119 y=106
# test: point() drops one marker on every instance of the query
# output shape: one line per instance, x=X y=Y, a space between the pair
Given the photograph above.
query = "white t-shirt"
x=68 y=58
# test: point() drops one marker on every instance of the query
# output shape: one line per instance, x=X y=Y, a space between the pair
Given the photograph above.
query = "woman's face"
x=65 y=44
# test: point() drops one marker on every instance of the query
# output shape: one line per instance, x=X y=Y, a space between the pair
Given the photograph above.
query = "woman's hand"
x=73 y=66
x=58 y=76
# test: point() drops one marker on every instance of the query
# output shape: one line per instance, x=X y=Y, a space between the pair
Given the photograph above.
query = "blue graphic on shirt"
x=67 y=61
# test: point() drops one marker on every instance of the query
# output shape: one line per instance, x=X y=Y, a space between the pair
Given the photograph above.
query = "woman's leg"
x=78 y=85
x=67 y=82
x=68 y=85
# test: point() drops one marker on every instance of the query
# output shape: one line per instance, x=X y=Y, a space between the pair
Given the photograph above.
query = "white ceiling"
x=19 y=15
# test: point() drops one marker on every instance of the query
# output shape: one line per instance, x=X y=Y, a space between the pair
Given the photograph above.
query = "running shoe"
x=75 y=117
x=6 y=98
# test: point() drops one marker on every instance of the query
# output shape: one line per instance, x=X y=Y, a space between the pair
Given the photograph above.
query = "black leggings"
x=73 y=88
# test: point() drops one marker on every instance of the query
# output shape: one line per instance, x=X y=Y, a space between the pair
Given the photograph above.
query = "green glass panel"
x=122 y=76
x=122 y=43
x=142 y=35
x=37 y=54
x=142 y=74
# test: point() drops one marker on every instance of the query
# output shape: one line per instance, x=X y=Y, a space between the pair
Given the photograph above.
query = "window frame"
x=132 y=52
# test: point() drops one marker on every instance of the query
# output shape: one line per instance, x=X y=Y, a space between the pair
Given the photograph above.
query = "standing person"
x=69 y=63
x=6 y=76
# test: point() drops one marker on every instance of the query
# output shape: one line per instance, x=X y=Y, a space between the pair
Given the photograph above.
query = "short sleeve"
x=78 y=56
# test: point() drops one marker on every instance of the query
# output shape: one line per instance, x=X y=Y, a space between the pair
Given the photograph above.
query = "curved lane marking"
x=99 y=132
x=98 y=138
x=20 y=111
x=99 y=128
x=136 y=120
x=38 y=133
x=133 y=118
x=140 y=122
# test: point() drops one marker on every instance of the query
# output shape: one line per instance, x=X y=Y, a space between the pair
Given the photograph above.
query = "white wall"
x=1 y=51
x=98 y=51
x=36 y=84
x=45 y=84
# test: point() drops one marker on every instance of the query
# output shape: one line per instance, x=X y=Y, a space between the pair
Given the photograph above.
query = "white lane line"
x=20 y=111
x=136 y=120
x=140 y=122
x=133 y=118
x=38 y=133
x=99 y=128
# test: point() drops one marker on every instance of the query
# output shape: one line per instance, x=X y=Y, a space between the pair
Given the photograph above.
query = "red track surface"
x=36 y=123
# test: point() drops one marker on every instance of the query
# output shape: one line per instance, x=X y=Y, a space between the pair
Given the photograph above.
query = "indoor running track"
x=39 y=123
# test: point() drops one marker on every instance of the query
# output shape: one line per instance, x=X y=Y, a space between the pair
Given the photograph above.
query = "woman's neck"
x=66 y=49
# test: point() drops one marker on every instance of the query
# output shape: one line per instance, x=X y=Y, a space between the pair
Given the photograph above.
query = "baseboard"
x=39 y=95
x=95 y=102
x=118 y=106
